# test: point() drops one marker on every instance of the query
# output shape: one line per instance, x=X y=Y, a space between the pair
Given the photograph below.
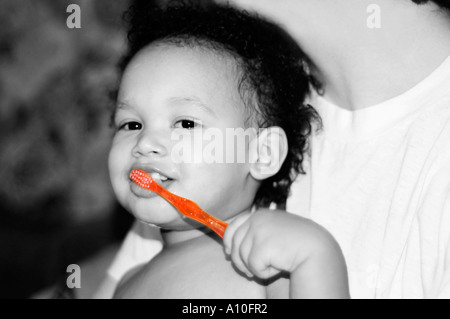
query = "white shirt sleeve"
x=141 y=244
x=443 y=292
x=435 y=239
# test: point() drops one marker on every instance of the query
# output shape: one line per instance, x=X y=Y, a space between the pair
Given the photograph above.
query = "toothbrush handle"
x=185 y=206
x=192 y=210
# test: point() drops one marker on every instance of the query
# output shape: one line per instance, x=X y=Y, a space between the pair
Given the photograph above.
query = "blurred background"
x=56 y=203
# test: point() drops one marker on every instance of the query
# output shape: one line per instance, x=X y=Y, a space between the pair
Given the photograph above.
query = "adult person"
x=378 y=178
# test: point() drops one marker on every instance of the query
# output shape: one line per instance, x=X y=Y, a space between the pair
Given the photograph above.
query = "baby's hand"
x=268 y=242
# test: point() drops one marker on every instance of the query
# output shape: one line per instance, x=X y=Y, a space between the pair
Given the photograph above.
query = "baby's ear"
x=268 y=150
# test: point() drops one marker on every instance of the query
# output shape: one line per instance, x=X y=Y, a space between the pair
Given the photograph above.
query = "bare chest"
x=193 y=270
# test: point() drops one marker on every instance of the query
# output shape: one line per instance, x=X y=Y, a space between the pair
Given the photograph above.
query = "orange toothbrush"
x=185 y=206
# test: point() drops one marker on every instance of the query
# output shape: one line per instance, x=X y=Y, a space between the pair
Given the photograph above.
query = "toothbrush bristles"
x=141 y=178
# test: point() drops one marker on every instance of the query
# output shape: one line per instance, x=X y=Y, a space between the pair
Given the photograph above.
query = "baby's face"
x=167 y=88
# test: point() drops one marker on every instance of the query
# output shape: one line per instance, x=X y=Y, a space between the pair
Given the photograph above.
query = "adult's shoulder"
x=435 y=194
x=433 y=136
x=431 y=130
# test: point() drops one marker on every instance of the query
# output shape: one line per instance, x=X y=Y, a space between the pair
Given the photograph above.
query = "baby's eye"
x=187 y=124
x=130 y=126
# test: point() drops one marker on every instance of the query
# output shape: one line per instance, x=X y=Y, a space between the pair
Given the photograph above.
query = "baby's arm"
x=269 y=242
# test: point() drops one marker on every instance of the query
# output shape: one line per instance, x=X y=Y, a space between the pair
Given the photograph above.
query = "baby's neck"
x=174 y=237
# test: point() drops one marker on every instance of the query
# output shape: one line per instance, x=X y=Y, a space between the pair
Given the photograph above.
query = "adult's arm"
x=141 y=244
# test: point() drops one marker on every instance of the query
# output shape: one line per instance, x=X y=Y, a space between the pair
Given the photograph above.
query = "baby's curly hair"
x=445 y=4
x=273 y=83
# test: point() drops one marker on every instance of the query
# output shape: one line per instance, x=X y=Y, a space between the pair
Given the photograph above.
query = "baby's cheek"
x=115 y=160
x=219 y=192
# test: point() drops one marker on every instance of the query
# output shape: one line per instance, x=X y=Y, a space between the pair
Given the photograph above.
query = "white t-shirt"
x=142 y=243
x=379 y=180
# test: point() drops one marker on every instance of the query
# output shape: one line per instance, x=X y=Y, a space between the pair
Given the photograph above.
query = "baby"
x=189 y=71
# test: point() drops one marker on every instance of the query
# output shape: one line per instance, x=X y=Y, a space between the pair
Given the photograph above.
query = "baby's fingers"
x=259 y=264
x=236 y=243
x=240 y=250
x=231 y=230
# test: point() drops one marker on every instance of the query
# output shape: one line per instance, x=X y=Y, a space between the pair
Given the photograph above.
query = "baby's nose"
x=150 y=144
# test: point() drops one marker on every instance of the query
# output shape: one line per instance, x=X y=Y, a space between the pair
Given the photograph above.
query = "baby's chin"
x=157 y=217
x=164 y=217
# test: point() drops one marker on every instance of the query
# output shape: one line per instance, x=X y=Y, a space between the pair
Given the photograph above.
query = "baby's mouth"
x=158 y=177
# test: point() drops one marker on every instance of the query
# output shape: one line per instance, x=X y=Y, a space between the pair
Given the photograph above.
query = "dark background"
x=56 y=203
